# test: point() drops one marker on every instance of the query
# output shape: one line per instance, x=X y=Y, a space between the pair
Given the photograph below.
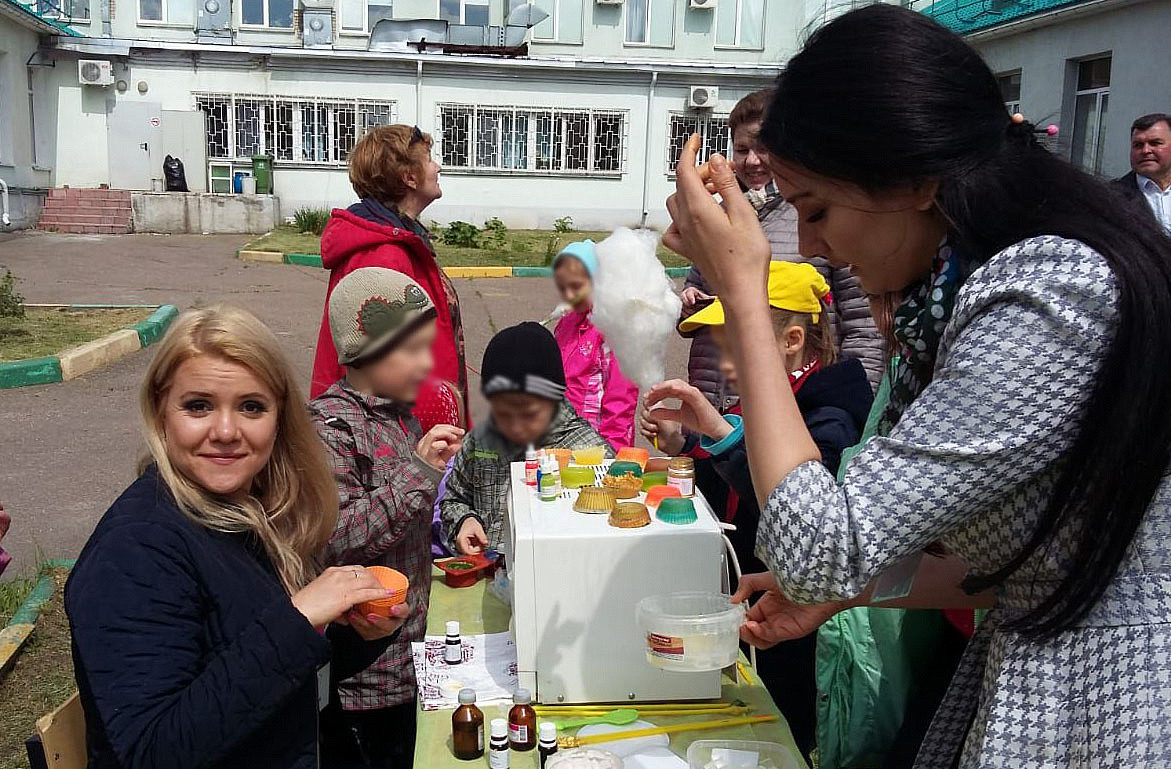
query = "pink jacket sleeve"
x=619 y=402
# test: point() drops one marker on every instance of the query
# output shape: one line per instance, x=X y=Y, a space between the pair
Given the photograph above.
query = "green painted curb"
x=41 y=592
x=30 y=371
x=152 y=329
x=304 y=260
x=532 y=272
x=677 y=272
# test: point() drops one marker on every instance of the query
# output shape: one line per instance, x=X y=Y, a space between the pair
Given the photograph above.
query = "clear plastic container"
x=740 y=754
x=691 y=632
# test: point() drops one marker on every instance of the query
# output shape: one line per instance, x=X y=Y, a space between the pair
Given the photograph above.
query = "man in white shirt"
x=1150 y=161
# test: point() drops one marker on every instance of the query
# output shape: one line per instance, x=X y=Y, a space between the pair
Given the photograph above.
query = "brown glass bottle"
x=467 y=727
x=522 y=721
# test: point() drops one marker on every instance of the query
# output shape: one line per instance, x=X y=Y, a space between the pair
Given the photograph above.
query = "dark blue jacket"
x=188 y=652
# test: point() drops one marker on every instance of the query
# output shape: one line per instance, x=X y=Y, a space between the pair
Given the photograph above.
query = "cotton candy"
x=635 y=306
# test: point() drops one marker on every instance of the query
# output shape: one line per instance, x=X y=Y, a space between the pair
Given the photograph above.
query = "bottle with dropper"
x=532 y=466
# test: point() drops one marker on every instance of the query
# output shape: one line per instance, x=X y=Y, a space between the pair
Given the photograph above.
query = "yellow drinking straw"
x=594 y=739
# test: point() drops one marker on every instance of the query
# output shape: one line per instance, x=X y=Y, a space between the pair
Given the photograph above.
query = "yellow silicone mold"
x=594 y=499
x=629 y=515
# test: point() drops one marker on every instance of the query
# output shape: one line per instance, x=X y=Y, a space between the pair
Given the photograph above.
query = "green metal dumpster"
x=262 y=171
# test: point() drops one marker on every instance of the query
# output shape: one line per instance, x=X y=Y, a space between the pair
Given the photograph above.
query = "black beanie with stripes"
x=523 y=359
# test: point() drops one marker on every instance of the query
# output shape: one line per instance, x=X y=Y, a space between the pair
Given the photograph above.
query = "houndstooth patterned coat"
x=972 y=463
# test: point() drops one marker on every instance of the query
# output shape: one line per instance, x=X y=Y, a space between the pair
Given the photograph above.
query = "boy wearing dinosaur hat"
x=387 y=472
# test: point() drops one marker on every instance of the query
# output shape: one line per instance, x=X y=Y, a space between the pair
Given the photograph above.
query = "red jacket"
x=370 y=235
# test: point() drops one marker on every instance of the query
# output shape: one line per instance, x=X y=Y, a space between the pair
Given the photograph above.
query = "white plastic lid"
x=547 y=731
x=499 y=727
x=453 y=627
x=522 y=696
x=531 y=452
x=467 y=696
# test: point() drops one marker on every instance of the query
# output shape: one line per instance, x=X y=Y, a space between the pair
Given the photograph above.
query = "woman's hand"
x=695 y=412
x=653 y=425
x=373 y=627
x=725 y=242
x=774 y=618
x=471 y=538
x=439 y=445
x=335 y=592
x=692 y=295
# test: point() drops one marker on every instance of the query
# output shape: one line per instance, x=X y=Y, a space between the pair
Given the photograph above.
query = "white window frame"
x=739 y=35
x=463 y=9
x=1011 y=106
x=650 y=5
x=706 y=124
x=52 y=9
x=532 y=115
x=555 y=21
x=366 y=28
x=1101 y=95
x=267 y=25
x=296 y=105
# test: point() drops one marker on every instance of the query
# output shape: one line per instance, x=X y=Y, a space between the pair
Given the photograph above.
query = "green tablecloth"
x=478 y=611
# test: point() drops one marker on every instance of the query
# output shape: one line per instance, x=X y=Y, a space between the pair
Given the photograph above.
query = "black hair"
x=930 y=109
x=1148 y=121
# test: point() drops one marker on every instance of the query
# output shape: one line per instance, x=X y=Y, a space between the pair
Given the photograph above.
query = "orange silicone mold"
x=391 y=580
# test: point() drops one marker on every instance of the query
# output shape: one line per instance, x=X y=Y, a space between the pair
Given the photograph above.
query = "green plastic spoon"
x=619 y=717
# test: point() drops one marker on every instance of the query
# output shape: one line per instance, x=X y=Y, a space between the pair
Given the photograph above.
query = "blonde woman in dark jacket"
x=853 y=326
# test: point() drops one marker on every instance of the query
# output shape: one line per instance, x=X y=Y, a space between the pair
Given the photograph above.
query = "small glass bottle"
x=467 y=727
x=522 y=721
x=531 y=466
x=498 y=746
x=453 y=648
x=547 y=745
x=550 y=483
x=681 y=475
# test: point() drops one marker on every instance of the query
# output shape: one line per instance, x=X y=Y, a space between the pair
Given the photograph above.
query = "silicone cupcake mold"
x=652 y=479
x=678 y=511
x=391 y=580
x=575 y=476
x=625 y=486
x=594 y=499
x=657 y=494
x=625 y=467
x=632 y=454
x=591 y=455
x=563 y=456
x=629 y=515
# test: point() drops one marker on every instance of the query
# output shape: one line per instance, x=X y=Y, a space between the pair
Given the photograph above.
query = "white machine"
x=575 y=583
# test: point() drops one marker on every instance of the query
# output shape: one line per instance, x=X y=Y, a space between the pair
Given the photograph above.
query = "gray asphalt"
x=68 y=449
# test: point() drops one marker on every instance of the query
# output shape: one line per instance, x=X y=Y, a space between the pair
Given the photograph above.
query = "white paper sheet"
x=489 y=667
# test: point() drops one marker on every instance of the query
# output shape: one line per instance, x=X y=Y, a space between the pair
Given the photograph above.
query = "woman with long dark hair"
x=1028 y=430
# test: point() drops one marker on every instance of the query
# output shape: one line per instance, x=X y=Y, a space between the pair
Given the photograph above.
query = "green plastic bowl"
x=655 y=478
x=676 y=510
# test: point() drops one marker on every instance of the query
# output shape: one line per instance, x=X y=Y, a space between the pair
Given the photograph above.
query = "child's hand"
x=471 y=539
x=691 y=295
x=695 y=413
x=439 y=445
x=652 y=425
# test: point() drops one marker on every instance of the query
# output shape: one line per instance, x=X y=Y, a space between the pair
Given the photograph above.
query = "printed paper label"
x=686 y=486
x=518 y=733
x=666 y=647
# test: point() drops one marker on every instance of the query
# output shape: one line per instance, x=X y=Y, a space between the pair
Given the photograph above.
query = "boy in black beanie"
x=524 y=381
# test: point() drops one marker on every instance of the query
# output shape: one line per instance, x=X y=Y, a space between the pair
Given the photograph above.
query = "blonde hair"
x=293 y=504
x=820 y=341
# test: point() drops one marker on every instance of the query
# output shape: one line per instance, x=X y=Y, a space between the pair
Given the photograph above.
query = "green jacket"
x=480 y=479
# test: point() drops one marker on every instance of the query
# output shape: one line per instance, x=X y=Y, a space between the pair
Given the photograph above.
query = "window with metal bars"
x=583 y=142
x=713 y=129
x=291 y=129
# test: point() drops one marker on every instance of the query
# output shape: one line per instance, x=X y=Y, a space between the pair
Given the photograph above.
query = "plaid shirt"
x=386 y=496
x=479 y=483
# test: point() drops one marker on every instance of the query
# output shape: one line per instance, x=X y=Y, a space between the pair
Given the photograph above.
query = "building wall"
x=520 y=200
x=1135 y=36
x=19 y=165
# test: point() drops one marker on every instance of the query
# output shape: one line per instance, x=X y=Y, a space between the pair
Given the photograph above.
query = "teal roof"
x=32 y=16
x=964 y=16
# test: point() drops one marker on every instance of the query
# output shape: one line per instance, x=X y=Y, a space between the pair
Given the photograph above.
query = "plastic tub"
x=591 y=455
x=691 y=632
x=740 y=754
x=576 y=476
x=654 y=478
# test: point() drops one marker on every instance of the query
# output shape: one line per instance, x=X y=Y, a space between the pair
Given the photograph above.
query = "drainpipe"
x=646 y=143
x=418 y=90
x=4 y=203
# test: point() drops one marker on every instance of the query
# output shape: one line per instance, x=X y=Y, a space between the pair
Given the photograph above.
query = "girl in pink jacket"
x=594 y=383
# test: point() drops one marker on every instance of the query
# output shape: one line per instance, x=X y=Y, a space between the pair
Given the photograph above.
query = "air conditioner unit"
x=316 y=28
x=703 y=96
x=703 y=3
x=213 y=15
x=94 y=72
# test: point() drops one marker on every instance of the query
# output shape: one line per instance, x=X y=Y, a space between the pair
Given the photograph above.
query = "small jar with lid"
x=681 y=475
x=467 y=727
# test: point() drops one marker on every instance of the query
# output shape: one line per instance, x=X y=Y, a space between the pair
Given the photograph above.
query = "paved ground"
x=68 y=449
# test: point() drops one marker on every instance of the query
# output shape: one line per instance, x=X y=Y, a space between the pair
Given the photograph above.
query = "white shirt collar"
x=1147 y=184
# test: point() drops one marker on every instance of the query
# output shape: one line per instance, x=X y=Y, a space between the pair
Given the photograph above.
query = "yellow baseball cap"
x=792 y=286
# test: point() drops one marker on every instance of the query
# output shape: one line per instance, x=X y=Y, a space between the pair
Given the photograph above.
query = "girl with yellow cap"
x=834 y=399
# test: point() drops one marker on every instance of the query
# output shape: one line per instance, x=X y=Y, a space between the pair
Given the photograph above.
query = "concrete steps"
x=87 y=211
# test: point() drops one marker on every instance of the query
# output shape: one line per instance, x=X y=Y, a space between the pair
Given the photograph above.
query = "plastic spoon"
x=619 y=717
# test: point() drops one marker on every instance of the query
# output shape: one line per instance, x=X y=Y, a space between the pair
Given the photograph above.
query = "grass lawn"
x=522 y=248
x=49 y=330
x=39 y=680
